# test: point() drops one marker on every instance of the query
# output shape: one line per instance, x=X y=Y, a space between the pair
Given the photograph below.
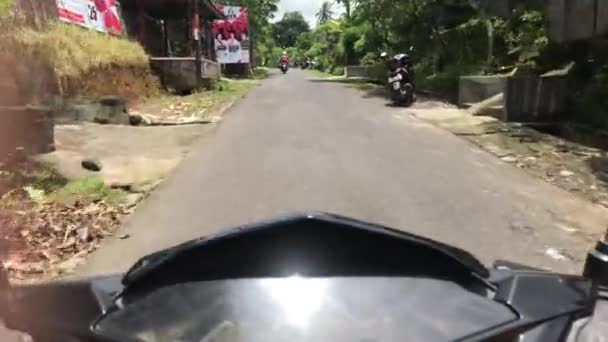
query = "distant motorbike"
x=401 y=78
x=284 y=67
x=308 y=65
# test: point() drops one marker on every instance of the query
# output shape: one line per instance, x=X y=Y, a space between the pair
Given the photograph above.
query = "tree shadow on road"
x=367 y=89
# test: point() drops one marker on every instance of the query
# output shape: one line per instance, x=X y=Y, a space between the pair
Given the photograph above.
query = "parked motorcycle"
x=284 y=67
x=401 y=78
x=316 y=277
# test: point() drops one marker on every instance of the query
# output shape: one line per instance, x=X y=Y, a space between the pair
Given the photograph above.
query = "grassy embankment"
x=60 y=62
x=83 y=63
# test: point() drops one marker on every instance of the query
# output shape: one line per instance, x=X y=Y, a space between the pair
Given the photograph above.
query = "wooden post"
x=141 y=26
x=196 y=27
x=168 y=52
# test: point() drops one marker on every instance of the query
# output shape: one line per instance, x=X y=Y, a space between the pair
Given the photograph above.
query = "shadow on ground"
x=373 y=90
x=599 y=167
x=368 y=89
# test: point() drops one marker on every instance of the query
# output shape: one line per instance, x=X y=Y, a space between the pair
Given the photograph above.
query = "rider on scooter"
x=284 y=58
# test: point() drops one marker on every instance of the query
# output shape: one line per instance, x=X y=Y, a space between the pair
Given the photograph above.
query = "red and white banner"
x=232 y=42
x=99 y=15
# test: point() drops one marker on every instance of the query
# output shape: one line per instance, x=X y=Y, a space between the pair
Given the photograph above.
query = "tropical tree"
x=287 y=30
x=348 y=5
x=325 y=13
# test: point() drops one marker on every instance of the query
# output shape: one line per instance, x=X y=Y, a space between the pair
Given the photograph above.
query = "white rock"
x=509 y=159
x=555 y=254
x=566 y=173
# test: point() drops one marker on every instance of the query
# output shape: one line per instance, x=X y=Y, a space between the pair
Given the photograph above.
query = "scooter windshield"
x=306 y=309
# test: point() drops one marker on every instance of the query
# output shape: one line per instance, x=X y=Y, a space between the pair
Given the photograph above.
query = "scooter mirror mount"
x=596 y=265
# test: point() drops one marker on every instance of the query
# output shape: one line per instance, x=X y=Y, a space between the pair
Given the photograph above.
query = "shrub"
x=446 y=82
x=337 y=71
x=377 y=72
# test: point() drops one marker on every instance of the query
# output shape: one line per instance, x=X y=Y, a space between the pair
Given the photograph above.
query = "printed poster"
x=99 y=15
x=231 y=36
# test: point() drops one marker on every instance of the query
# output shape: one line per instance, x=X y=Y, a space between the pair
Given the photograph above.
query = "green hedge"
x=337 y=71
x=377 y=72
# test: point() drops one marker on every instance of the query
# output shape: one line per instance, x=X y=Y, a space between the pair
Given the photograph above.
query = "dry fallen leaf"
x=44 y=236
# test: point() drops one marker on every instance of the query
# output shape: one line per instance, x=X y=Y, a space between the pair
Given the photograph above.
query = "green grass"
x=91 y=187
x=47 y=179
x=260 y=73
x=6 y=7
x=46 y=185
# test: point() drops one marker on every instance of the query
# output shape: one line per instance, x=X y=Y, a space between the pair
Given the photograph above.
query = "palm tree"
x=347 y=7
x=325 y=13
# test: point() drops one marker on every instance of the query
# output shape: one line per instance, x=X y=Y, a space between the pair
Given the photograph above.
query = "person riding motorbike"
x=284 y=58
x=284 y=62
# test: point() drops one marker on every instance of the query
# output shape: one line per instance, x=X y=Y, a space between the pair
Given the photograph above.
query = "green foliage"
x=6 y=7
x=337 y=71
x=348 y=41
x=47 y=179
x=323 y=45
x=325 y=13
x=260 y=73
x=445 y=82
x=348 y=6
x=91 y=187
x=525 y=35
x=287 y=30
x=377 y=72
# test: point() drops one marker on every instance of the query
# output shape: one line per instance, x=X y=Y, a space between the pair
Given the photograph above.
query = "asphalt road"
x=295 y=145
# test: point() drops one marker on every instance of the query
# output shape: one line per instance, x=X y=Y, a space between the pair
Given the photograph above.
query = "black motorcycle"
x=316 y=277
x=401 y=78
x=284 y=67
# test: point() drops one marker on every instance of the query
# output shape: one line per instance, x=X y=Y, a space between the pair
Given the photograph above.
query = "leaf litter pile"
x=44 y=239
x=48 y=239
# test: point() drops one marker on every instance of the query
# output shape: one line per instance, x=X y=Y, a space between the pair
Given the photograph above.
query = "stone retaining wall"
x=179 y=73
x=535 y=99
x=356 y=71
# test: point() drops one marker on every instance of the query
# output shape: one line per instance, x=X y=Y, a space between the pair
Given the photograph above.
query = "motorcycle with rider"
x=284 y=62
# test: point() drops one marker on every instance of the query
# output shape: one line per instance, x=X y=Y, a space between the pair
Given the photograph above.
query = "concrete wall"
x=535 y=99
x=577 y=19
x=473 y=89
x=179 y=73
x=356 y=71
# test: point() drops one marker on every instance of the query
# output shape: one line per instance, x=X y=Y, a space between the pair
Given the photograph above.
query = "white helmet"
x=284 y=52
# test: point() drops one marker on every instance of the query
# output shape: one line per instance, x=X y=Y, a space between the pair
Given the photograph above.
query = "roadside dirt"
x=46 y=236
x=579 y=169
x=132 y=158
